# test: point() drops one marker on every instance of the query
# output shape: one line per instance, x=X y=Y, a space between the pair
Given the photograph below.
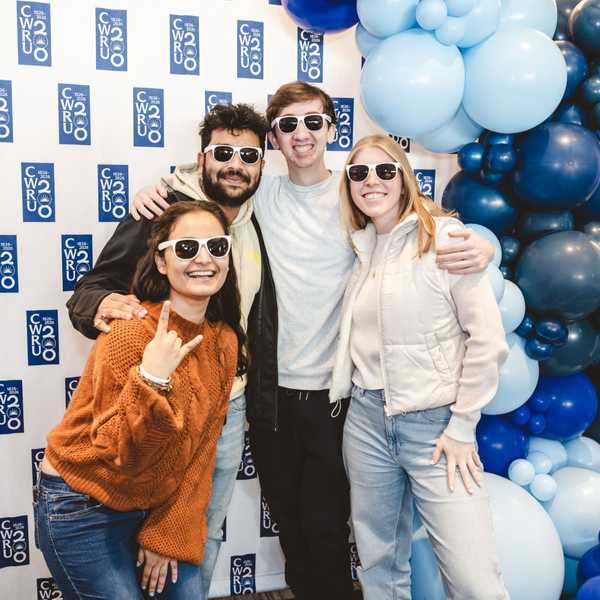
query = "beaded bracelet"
x=159 y=387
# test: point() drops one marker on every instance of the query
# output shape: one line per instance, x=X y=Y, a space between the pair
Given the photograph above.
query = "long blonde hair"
x=411 y=198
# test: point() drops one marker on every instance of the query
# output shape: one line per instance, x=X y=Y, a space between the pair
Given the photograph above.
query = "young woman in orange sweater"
x=126 y=477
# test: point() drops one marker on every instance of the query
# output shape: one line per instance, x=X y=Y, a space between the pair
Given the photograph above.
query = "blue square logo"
x=37 y=456
x=42 y=337
x=250 y=47
x=14 y=541
x=310 y=56
x=242 y=576
x=74 y=125
x=9 y=264
x=148 y=117
x=71 y=384
x=184 y=45
x=426 y=181
x=12 y=418
x=268 y=527
x=404 y=142
x=37 y=185
x=34 y=34
x=77 y=258
x=111 y=39
x=247 y=468
x=211 y=99
x=113 y=192
x=344 y=134
x=47 y=589
x=6 y=111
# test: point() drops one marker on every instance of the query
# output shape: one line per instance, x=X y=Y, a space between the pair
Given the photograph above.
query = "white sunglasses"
x=218 y=246
x=385 y=171
x=312 y=122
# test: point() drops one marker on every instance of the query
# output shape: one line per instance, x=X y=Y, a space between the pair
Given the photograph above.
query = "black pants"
x=303 y=480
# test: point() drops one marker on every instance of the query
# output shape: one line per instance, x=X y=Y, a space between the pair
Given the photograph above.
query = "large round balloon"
x=558 y=168
x=411 y=84
x=364 y=40
x=537 y=14
x=499 y=442
x=577 y=66
x=514 y=80
x=512 y=307
x=327 y=16
x=533 y=225
x=575 y=509
x=453 y=135
x=479 y=203
x=559 y=275
x=584 y=452
x=589 y=565
x=481 y=22
x=591 y=208
x=590 y=590
x=527 y=545
x=584 y=26
x=565 y=8
x=488 y=235
x=383 y=18
x=554 y=450
x=570 y=113
x=580 y=351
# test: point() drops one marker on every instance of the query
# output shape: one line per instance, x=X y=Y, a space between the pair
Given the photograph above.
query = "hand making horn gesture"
x=166 y=350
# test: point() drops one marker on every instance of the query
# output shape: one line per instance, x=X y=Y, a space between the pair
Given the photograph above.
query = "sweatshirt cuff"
x=461 y=429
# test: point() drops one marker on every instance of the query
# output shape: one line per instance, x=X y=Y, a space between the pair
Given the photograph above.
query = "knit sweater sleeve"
x=485 y=347
x=177 y=528
x=132 y=422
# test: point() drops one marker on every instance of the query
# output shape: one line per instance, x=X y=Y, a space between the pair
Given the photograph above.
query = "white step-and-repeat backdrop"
x=96 y=100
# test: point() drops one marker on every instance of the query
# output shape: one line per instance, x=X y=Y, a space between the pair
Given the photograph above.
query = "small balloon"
x=521 y=472
x=451 y=31
x=512 y=307
x=538 y=350
x=552 y=331
x=542 y=464
x=459 y=8
x=543 y=487
x=536 y=424
x=553 y=449
x=510 y=248
x=526 y=326
x=500 y=158
x=521 y=415
x=470 y=157
x=431 y=14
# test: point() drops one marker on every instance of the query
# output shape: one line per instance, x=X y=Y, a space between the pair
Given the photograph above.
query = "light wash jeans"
x=388 y=460
x=229 y=455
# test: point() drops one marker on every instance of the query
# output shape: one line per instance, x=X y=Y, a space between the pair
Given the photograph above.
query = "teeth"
x=373 y=196
x=303 y=149
x=201 y=274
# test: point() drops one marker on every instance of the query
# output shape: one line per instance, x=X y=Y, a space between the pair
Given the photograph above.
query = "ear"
x=273 y=139
x=331 y=134
x=161 y=265
x=200 y=160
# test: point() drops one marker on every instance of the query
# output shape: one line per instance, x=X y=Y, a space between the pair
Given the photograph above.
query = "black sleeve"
x=113 y=272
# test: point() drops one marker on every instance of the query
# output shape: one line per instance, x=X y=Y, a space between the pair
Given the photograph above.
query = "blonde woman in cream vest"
x=419 y=352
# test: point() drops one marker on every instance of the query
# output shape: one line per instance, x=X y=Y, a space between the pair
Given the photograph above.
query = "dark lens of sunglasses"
x=358 y=172
x=186 y=249
x=385 y=171
x=218 y=246
x=249 y=155
x=223 y=153
x=313 y=122
x=288 y=124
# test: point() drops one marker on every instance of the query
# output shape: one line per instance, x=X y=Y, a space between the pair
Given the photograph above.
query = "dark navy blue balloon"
x=577 y=66
x=565 y=8
x=536 y=424
x=590 y=90
x=537 y=349
x=591 y=208
x=532 y=225
x=470 y=157
x=526 y=326
x=499 y=443
x=491 y=177
x=507 y=272
x=559 y=166
x=592 y=228
x=584 y=26
x=491 y=138
x=479 y=203
x=570 y=113
x=510 y=248
x=589 y=565
x=326 y=16
x=501 y=158
x=552 y=331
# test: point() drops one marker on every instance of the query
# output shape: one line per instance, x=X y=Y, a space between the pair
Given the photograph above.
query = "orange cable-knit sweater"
x=131 y=447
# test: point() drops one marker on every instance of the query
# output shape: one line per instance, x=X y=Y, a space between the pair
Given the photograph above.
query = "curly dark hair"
x=149 y=284
x=233 y=117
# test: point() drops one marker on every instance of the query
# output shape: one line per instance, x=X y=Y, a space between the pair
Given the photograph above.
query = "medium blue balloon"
x=480 y=23
x=590 y=590
x=559 y=275
x=589 y=565
x=538 y=349
x=365 y=41
x=552 y=331
x=479 y=203
x=510 y=248
x=514 y=80
x=431 y=14
x=533 y=225
x=500 y=158
x=539 y=403
x=470 y=157
x=488 y=235
x=491 y=177
x=451 y=31
x=537 y=14
x=451 y=136
x=570 y=113
x=577 y=66
x=411 y=84
x=512 y=307
x=328 y=16
x=459 y=8
x=383 y=18
x=536 y=424
x=584 y=26
x=521 y=415
x=499 y=443
x=526 y=326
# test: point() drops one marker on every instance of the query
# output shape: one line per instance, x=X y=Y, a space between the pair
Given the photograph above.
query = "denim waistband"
x=52 y=481
x=373 y=394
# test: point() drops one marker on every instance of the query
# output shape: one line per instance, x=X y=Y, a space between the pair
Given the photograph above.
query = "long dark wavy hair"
x=149 y=284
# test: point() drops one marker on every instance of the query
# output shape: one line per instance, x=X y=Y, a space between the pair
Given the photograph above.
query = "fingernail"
x=137 y=564
x=143 y=312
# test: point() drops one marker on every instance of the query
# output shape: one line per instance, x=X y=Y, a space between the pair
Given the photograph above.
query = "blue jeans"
x=388 y=460
x=91 y=549
x=229 y=456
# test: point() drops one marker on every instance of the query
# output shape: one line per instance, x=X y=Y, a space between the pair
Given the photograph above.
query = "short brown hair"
x=298 y=91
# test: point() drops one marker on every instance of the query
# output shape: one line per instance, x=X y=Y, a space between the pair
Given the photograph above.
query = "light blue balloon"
x=537 y=14
x=383 y=18
x=512 y=307
x=497 y=280
x=521 y=472
x=541 y=462
x=431 y=13
x=553 y=449
x=583 y=452
x=480 y=22
x=459 y=8
x=518 y=377
x=575 y=510
x=411 y=84
x=543 y=487
x=451 y=31
x=514 y=80
x=453 y=135
x=364 y=40
x=490 y=236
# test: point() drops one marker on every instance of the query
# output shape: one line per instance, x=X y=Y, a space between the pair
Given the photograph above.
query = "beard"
x=216 y=190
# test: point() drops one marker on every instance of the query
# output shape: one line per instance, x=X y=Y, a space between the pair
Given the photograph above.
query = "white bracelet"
x=152 y=378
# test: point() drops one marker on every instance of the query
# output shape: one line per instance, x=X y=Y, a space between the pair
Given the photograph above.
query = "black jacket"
x=113 y=272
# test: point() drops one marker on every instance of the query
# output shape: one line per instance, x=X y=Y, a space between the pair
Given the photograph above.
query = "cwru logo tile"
x=76 y=255
x=344 y=133
x=184 y=45
x=71 y=384
x=250 y=46
x=310 y=56
x=9 y=265
x=48 y=590
x=247 y=468
x=12 y=419
x=37 y=185
x=14 y=541
x=111 y=39
x=354 y=560
x=148 y=111
x=426 y=181
x=6 y=111
x=34 y=34
x=242 y=576
x=37 y=456
x=211 y=99
x=42 y=337
x=74 y=114
x=113 y=192
x=403 y=141
x=268 y=527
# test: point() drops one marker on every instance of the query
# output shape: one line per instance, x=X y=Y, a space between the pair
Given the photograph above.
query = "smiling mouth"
x=201 y=274
x=234 y=177
x=373 y=195
x=303 y=148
